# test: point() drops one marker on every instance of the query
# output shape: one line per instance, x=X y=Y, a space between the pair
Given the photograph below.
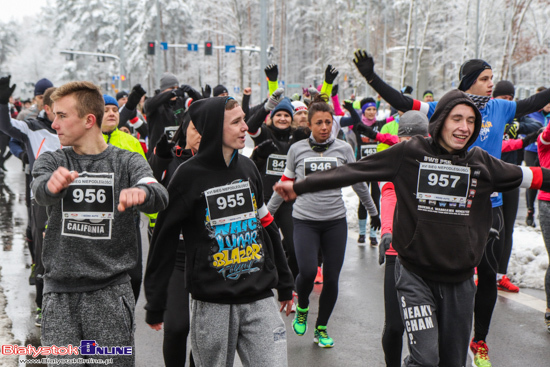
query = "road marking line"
x=526 y=300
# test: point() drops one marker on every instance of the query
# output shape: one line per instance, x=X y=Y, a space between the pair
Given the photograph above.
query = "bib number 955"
x=230 y=201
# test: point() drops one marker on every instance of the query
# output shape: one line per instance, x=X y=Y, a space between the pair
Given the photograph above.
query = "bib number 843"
x=231 y=201
x=442 y=180
x=90 y=196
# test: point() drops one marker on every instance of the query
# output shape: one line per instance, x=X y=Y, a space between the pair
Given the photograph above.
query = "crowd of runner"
x=439 y=181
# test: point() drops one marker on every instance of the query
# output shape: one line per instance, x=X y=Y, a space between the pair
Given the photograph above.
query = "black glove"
x=366 y=130
x=375 y=223
x=407 y=89
x=301 y=133
x=191 y=92
x=24 y=157
x=5 y=89
x=178 y=92
x=493 y=233
x=511 y=130
x=348 y=105
x=385 y=243
x=531 y=138
x=272 y=72
x=164 y=147
x=330 y=74
x=135 y=96
x=265 y=148
x=365 y=64
x=206 y=91
x=334 y=90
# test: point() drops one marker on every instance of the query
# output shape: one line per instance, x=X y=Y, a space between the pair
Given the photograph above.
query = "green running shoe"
x=321 y=338
x=299 y=324
x=479 y=354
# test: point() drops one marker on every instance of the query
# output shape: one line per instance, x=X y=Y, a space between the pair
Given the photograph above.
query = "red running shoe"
x=319 y=277
x=506 y=285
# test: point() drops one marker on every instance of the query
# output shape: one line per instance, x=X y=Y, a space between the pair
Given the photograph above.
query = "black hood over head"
x=207 y=115
x=442 y=110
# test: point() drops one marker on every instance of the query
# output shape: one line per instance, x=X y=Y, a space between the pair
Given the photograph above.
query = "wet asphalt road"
x=517 y=336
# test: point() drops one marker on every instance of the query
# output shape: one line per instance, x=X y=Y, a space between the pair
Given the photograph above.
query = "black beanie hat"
x=504 y=88
x=121 y=94
x=469 y=71
x=219 y=89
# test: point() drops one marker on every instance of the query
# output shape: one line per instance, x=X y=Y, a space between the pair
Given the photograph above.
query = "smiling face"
x=321 y=126
x=281 y=120
x=458 y=128
x=483 y=86
x=110 y=118
x=234 y=129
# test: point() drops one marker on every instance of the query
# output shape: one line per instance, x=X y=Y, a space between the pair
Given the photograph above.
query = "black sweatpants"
x=176 y=321
x=392 y=335
x=510 y=203
x=330 y=237
x=136 y=274
x=39 y=219
x=375 y=194
x=283 y=218
x=437 y=317
x=486 y=295
x=531 y=160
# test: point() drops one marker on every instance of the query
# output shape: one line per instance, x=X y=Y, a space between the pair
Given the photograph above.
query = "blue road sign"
x=230 y=48
x=192 y=47
x=164 y=46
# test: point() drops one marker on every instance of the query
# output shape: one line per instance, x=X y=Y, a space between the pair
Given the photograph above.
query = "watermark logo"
x=90 y=348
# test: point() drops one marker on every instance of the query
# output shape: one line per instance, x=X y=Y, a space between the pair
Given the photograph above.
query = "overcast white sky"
x=17 y=9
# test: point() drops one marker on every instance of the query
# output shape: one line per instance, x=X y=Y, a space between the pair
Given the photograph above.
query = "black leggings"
x=176 y=322
x=392 y=335
x=531 y=160
x=375 y=194
x=136 y=274
x=330 y=237
x=510 y=202
x=486 y=294
x=283 y=218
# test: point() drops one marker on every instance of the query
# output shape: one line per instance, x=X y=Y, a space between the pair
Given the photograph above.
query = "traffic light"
x=150 y=48
x=208 y=48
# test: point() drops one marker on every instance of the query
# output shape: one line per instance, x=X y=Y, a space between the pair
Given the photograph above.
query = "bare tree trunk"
x=407 y=43
x=428 y=13
x=464 y=55
x=523 y=6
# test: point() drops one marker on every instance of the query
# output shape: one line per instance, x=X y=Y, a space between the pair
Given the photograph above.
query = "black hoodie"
x=443 y=212
x=228 y=260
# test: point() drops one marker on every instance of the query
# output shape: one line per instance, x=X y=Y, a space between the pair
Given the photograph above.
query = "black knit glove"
x=206 y=91
x=191 y=92
x=365 y=64
x=384 y=246
x=164 y=147
x=178 y=92
x=334 y=90
x=511 y=130
x=531 y=138
x=5 y=89
x=348 y=105
x=135 y=96
x=375 y=223
x=265 y=148
x=330 y=74
x=366 y=130
x=272 y=72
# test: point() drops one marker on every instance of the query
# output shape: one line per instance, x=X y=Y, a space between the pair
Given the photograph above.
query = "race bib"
x=368 y=149
x=88 y=206
x=170 y=131
x=319 y=164
x=443 y=182
x=276 y=164
x=229 y=203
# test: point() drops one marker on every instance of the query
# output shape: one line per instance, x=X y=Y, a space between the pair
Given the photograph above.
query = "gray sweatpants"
x=105 y=316
x=437 y=317
x=255 y=330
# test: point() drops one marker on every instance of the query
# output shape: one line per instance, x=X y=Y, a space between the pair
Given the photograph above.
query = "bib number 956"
x=90 y=196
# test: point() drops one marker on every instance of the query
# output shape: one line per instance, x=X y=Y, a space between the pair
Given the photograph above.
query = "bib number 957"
x=443 y=180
